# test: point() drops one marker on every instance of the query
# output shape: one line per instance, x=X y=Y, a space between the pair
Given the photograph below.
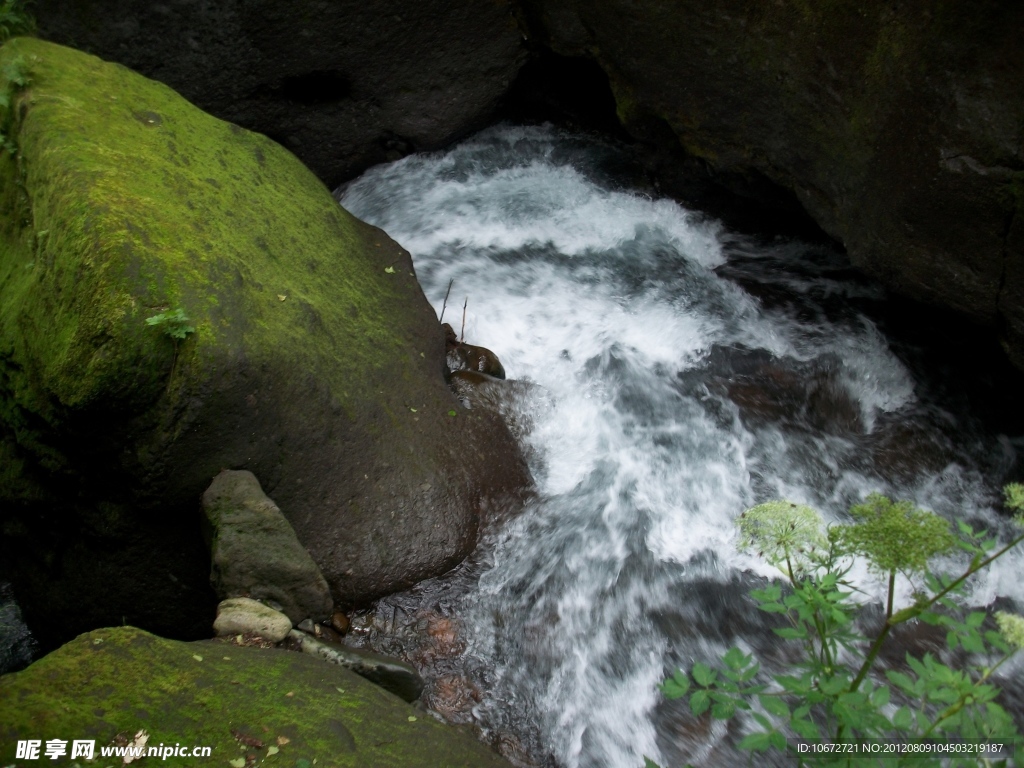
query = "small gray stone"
x=390 y=674
x=240 y=616
x=255 y=552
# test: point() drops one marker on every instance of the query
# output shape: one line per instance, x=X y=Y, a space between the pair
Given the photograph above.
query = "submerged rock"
x=767 y=389
x=179 y=296
x=242 y=616
x=255 y=553
x=390 y=674
x=278 y=705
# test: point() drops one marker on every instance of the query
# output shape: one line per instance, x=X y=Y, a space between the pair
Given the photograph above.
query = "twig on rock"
x=445 y=304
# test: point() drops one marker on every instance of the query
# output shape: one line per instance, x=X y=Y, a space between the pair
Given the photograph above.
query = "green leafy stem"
x=835 y=692
x=174 y=323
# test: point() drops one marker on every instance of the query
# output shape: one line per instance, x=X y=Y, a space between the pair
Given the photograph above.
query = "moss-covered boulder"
x=304 y=351
x=282 y=708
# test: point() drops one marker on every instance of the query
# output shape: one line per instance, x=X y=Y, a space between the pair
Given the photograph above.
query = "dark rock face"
x=343 y=85
x=898 y=128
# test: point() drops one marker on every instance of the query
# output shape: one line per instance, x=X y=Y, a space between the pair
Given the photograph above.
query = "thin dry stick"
x=445 y=304
x=463 y=338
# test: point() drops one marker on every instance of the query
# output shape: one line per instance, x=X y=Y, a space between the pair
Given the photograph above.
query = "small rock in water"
x=468 y=357
x=340 y=623
x=311 y=627
x=241 y=616
x=326 y=633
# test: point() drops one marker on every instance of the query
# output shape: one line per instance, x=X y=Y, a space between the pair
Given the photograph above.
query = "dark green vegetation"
x=835 y=691
x=315 y=361
x=227 y=697
x=15 y=20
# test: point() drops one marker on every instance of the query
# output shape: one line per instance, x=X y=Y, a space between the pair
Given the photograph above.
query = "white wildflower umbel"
x=787 y=535
x=1011 y=627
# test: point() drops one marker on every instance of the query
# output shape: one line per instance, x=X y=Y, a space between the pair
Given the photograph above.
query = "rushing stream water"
x=681 y=374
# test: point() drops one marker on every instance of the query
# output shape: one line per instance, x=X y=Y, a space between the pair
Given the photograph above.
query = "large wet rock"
x=896 y=126
x=310 y=357
x=343 y=85
x=255 y=552
x=283 y=707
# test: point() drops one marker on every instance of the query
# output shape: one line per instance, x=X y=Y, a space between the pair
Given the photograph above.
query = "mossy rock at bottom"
x=218 y=695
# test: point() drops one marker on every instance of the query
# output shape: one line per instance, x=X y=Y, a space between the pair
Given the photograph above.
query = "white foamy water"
x=669 y=399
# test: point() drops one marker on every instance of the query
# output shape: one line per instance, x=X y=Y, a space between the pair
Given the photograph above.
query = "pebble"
x=241 y=615
x=340 y=623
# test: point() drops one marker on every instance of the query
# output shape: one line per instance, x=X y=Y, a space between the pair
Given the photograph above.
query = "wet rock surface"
x=17 y=646
x=423 y=626
x=340 y=622
x=460 y=356
x=769 y=390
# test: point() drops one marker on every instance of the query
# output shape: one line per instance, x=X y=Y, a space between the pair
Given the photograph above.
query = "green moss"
x=124 y=680
x=125 y=201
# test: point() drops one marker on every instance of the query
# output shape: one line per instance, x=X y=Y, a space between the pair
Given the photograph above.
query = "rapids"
x=681 y=373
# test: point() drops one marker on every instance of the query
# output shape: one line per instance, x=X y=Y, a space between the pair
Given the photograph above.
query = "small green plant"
x=173 y=323
x=836 y=693
x=17 y=77
x=15 y=20
x=17 y=74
